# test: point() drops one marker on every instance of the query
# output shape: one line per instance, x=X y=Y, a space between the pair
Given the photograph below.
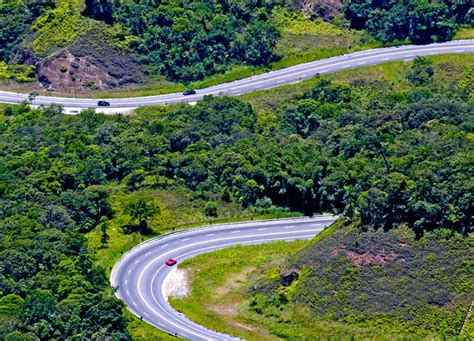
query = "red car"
x=170 y=262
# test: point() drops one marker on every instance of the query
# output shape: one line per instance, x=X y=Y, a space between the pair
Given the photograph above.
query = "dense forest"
x=105 y=44
x=420 y=22
x=381 y=156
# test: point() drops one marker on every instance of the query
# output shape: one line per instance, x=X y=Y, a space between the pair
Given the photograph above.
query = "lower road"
x=141 y=273
x=268 y=80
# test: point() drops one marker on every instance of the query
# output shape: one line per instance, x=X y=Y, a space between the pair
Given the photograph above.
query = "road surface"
x=268 y=80
x=140 y=274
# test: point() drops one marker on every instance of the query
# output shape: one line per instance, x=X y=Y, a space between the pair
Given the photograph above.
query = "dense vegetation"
x=383 y=156
x=418 y=21
x=101 y=44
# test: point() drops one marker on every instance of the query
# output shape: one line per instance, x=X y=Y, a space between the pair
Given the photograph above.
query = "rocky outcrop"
x=88 y=64
x=289 y=276
x=325 y=9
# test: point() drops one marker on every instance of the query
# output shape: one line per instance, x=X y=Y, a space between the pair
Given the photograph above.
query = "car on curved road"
x=171 y=262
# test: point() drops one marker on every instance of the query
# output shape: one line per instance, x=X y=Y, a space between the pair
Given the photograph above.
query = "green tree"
x=210 y=209
x=141 y=210
x=421 y=71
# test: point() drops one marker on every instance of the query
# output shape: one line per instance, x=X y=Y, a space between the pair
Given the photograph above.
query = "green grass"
x=217 y=286
x=59 y=27
x=18 y=73
x=140 y=330
x=464 y=33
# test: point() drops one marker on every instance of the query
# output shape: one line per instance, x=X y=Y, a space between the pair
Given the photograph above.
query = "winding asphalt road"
x=140 y=274
x=268 y=80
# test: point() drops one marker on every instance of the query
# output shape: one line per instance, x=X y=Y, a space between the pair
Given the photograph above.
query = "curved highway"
x=140 y=274
x=264 y=81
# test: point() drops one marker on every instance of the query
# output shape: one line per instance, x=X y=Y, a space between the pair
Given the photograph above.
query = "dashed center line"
x=210 y=234
x=186 y=239
x=290 y=227
x=235 y=232
x=165 y=245
x=263 y=229
x=148 y=253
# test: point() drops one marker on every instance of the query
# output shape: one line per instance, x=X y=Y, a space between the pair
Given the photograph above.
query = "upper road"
x=264 y=81
x=140 y=274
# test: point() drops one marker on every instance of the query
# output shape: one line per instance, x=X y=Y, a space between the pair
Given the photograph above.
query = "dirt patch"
x=369 y=258
x=325 y=9
x=177 y=283
x=90 y=63
x=229 y=300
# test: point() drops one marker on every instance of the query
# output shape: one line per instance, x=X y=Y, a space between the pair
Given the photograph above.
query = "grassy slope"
x=217 y=280
x=221 y=299
x=301 y=41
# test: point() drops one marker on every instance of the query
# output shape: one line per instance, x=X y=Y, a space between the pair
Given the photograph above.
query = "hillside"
x=383 y=283
x=342 y=284
x=386 y=154
x=88 y=46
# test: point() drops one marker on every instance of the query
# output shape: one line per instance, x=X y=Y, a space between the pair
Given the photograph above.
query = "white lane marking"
x=262 y=229
x=316 y=225
x=145 y=269
x=344 y=67
x=128 y=272
x=210 y=234
x=134 y=303
x=148 y=253
x=409 y=55
x=290 y=227
x=232 y=232
x=458 y=51
x=131 y=102
x=128 y=293
x=126 y=281
x=165 y=245
x=152 y=242
x=362 y=63
x=136 y=262
x=384 y=59
x=186 y=239
x=280 y=81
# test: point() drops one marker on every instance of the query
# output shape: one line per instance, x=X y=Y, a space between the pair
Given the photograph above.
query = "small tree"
x=104 y=239
x=421 y=71
x=140 y=210
x=210 y=209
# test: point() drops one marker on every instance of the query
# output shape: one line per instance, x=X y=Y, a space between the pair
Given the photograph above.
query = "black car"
x=103 y=104
x=189 y=92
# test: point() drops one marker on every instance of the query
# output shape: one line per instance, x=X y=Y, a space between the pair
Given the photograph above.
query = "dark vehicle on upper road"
x=103 y=104
x=189 y=92
x=170 y=262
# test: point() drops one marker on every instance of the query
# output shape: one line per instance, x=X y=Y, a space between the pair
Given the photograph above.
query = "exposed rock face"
x=88 y=64
x=325 y=9
x=289 y=276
